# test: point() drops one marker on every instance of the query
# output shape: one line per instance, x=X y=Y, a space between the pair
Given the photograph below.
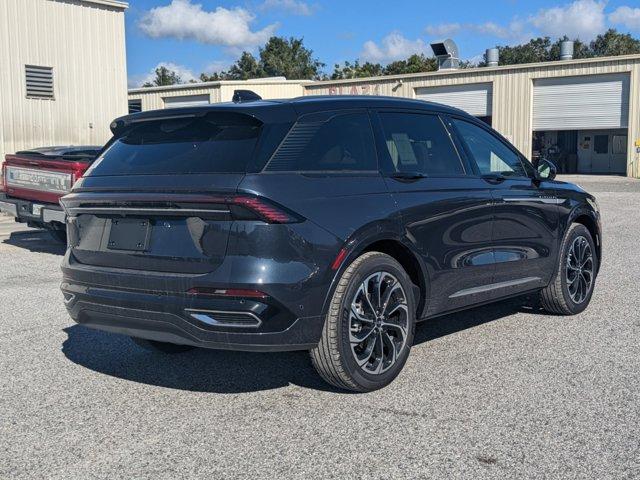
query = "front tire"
x=370 y=325
x=570 y=290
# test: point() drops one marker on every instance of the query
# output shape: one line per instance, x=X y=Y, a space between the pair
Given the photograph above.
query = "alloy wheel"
x=378 y=323
x=579 y=269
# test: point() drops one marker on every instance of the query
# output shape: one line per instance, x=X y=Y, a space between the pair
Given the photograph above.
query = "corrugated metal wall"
x=153 y=98
x=512 y=93
x=85 y=45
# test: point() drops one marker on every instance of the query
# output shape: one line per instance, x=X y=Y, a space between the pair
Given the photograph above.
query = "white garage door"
x=475 y=99
x=186 y=101
x=572 y=103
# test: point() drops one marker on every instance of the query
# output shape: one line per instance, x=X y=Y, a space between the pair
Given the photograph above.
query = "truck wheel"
x=59 y=235
x=163 y=347
x=369 y=329
x=572 y=286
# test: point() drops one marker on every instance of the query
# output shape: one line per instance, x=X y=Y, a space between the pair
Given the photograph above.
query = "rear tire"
x=163 y=347
x=369 y=329
x=571 y=288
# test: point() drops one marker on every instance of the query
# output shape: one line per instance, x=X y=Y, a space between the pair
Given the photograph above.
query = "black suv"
x=329 y=224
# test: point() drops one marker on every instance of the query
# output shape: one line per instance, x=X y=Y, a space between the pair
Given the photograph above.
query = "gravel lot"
x=496 y=392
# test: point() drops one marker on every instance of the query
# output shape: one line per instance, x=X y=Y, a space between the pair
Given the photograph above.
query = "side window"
x=342 y=143
x=419 y=143
x=489 y=152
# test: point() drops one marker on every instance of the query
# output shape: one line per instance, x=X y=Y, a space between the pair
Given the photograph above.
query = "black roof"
x=288 y=110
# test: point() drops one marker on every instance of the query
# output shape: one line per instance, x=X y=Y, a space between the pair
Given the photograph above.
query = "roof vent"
x=447 y=54
x=566 y=50
x=242 y=96
x=493 y=57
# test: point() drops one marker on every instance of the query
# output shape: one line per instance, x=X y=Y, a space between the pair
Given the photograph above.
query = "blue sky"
x=194 y=36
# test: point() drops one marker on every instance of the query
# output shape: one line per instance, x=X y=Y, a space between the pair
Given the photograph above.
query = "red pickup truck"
x=34 y=180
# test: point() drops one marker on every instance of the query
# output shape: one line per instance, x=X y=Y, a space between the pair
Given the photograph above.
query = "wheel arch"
x=392 y=245
x=587 y=218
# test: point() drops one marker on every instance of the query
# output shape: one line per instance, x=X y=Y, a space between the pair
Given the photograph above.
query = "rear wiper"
x=407 y=175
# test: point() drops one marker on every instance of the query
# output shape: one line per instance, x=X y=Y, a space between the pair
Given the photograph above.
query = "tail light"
x=3 y=173
x=263 y=209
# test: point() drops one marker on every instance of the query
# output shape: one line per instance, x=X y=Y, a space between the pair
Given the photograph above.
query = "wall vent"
x=39 y=81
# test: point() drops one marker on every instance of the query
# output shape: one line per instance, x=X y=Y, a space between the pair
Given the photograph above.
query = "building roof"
x=501 y=68
x=119 y=4
x=189 y=86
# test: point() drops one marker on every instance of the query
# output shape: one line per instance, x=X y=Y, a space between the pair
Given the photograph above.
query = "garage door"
x=572 y=103
x=186 y=101
x=475 y=99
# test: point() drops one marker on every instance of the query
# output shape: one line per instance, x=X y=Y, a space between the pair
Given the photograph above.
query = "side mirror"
x=546 y=170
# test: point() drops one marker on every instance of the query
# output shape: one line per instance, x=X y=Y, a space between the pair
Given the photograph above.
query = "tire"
x=59 y=236
x=163 y=347
x=336 y=360
x=558 y=297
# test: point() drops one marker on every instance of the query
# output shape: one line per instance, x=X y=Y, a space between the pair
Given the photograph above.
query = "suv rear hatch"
x=163 y=195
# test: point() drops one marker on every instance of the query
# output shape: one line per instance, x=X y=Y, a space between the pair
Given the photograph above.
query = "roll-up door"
x=186 y=101
x=475 y=99
x=586 y=102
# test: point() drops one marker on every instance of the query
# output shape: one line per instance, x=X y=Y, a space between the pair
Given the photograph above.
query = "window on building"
x=619 y=144
x=39 y=82
x=342 y=143
x=419 y=143
x=489 y=152
x=135 y=106
x=601 y=144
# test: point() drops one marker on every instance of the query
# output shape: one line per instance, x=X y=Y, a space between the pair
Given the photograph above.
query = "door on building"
x=594 y=106
x=602 y=151
x=476 y=99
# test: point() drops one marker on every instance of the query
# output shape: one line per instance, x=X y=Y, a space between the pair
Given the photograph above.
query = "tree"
x=356 y=70
x=164 y=77
x=416 y=63
x=289 y=58
x=612 y=43
x=609 y=44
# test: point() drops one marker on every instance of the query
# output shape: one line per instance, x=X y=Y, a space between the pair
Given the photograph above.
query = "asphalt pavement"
x=501 y=391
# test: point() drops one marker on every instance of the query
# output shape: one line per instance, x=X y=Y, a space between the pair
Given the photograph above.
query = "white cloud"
x=443 y=29
x=393 y=47
x=183 y=72
x=627 y=16
x=295 y=7
x=183 y=20
x=583 y=19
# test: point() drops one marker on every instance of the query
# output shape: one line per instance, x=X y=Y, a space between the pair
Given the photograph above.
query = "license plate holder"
x=129 y=234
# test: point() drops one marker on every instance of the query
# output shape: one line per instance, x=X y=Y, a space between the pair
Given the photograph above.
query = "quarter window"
x=342 y=143
x=491 y=155
x=419 y=143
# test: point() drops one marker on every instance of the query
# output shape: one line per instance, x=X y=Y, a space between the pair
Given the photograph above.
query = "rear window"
x=216 y=143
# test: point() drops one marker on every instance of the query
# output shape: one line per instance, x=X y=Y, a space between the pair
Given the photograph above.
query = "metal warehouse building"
x=63 y=75
x=582 y=114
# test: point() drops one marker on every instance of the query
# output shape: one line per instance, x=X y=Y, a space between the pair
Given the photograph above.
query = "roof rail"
x=241 y=96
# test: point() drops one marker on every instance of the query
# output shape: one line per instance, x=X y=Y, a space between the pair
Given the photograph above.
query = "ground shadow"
x=39 y=241
x=220 y=371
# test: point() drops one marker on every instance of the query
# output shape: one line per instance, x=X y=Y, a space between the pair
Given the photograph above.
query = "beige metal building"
x=211 y=92
x=63 y=75
x=583 y=114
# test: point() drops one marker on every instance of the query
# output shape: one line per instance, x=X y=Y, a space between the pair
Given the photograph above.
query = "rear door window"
x=341 y=142
x=419 y=143
x=215 y=143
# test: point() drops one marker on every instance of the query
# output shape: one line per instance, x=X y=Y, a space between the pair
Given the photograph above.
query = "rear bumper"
x=170 y=318
x=23 y=211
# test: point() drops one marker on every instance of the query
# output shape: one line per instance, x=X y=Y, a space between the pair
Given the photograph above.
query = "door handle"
x=493 y=178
